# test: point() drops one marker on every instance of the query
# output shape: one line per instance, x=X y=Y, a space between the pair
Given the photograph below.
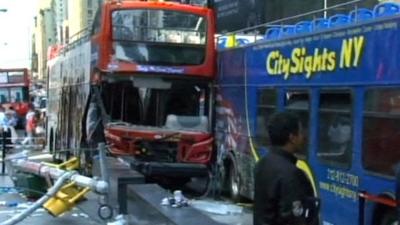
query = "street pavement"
x=140 y=212
x=13 y=202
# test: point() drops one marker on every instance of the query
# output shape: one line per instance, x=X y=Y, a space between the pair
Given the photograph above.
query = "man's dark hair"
x=281 y=125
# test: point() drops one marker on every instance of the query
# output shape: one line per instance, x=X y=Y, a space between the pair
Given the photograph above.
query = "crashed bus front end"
x=164 y=124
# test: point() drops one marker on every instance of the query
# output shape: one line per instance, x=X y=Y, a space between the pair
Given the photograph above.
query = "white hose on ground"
x=50 y=193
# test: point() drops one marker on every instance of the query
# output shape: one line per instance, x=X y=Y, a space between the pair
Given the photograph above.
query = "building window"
x=90 y=14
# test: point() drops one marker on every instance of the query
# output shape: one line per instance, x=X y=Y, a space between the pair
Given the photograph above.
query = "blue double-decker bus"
x=343 y=80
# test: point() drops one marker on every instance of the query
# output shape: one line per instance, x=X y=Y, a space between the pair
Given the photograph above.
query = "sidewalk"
x=13 y=202
x=16 y=203
x=141 y=211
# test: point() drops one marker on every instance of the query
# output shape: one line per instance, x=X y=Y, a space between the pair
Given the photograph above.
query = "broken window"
x=149 y=104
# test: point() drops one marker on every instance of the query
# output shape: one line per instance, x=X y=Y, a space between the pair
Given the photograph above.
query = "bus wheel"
x=234 y=183
x=389 y=218
x=206 y=185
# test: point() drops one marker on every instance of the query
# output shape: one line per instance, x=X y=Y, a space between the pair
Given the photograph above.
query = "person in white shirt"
x=28 y=127
x=3 y=118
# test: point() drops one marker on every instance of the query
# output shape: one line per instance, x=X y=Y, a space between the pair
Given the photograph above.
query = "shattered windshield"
x=158 y=26
x=179 y=106
x=159 y=37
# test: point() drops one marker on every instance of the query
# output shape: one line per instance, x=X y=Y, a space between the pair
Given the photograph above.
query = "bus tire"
x=234 y=183
x=389 y=217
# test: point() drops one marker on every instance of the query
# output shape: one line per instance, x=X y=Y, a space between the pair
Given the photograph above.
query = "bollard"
x=3 y=157
x=397 y=190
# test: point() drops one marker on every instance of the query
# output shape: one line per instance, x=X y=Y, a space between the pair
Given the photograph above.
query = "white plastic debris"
x=221 y=208
x=119 y=220
x=176 y=201
x=165 y=201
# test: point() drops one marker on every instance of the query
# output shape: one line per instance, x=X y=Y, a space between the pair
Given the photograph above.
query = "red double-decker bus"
x=141 y=81
x=14 y=90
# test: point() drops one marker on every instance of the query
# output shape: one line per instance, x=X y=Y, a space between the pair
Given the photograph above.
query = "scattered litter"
x=80 y=215
x=83 y=215
x=164 y=201
x=176 y=201
x=9 y=212
x=8 y=190
x=41 y=210
x=119 y=220
x=9 y=204
x=220 y=208
x=23 y=205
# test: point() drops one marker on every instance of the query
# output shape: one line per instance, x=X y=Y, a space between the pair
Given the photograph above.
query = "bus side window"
x=2 y=98
x=335 y=128
x=25 y=94
x=381 y=130
x=339 y=134
x=267 y=102
x=17 y=97
x=298 y=101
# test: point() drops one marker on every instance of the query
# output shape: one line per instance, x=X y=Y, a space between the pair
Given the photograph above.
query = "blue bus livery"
x=344 y=84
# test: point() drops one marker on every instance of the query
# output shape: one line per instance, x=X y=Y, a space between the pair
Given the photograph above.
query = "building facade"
x=80 y=17
x=44 y=36
x=59 y=22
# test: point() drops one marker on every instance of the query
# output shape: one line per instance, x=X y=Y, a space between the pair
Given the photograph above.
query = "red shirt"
x=31 y=124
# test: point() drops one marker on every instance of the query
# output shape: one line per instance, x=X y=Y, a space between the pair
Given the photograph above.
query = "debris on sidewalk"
x=119 y=220
x=221 y=208
x=177 y=201
x=8 y=190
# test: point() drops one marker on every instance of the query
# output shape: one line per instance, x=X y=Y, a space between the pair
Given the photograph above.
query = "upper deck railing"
x=339 y=15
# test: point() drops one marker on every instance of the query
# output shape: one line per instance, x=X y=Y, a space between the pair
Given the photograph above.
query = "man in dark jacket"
x=283 y=194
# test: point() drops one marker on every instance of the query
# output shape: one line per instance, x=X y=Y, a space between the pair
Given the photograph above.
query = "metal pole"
x=3 y=157
x=397 y=190
x=103 y=165
x=210 y=4
x=103 y=169
x=43 y=170
x=361 y=208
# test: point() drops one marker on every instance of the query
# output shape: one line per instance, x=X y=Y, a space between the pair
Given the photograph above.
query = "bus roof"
x=356 y=52
x=160 y=5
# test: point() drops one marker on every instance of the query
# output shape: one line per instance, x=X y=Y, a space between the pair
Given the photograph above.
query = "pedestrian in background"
x=283 y=194
x=3 y=118
x=11 y=123
x=31 y=123
x=11 y=117
x=5 y=132
x=30 y=113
